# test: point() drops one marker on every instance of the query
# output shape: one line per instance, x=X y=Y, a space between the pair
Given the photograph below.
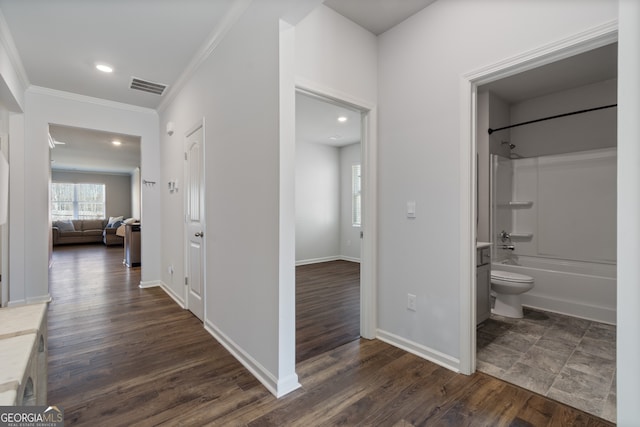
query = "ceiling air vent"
x=147 y=86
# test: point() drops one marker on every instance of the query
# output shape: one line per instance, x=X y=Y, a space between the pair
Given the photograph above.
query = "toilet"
x=508 y=286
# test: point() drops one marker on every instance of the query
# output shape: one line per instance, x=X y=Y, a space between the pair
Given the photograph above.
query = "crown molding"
x=89 y=99
x=215 y=38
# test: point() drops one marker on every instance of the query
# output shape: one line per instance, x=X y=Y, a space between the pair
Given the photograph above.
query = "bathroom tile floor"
x=567 y=359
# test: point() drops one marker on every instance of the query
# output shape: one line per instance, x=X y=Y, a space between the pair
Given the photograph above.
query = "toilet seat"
x=508 y=276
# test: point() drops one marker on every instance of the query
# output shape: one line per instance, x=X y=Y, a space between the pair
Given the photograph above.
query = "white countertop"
x=8 y=397
x=22 y=320
x=15 y=353
x=480 y=245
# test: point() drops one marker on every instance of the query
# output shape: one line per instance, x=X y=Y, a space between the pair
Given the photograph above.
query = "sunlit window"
x=77 y=201
x=356 y=211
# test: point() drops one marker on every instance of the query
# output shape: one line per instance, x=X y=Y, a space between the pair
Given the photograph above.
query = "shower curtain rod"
x=552 y=117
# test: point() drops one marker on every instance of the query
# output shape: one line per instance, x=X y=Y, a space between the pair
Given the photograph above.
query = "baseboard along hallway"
x=122 y=355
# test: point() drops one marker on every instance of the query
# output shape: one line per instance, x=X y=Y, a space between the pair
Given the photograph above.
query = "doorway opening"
x=329 y=223
x=94 y=192
x=527 y=184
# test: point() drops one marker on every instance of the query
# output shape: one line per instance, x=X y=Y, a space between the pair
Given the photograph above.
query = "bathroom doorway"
x=543 y=187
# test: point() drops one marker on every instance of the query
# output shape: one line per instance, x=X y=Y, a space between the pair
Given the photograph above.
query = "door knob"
x=199 y=234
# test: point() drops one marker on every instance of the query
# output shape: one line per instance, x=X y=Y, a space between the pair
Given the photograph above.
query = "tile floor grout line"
x=504 y=327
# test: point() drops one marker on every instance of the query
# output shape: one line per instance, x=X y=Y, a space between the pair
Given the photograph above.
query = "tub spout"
x=510 y=247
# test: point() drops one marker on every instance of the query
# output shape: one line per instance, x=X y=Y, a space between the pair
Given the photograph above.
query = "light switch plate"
x=411 y=209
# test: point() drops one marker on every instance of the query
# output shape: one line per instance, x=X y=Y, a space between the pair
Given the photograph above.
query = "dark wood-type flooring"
x=120 y=355
x=327 y=307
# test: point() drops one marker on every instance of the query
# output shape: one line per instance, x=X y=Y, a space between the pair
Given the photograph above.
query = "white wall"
x=13 y=81
x=240 y=110
x=499 y=116
x=628 y=348
x=136 y=193
x=339 y=59
x=492 y=112
x=317 y=202
x=335 y=54
x=588 y=131
x=4 y=236
x=237 y=90
x=12 y=86
x=420 y=64
x=117 y=189
x=30 y=175
x=324 y=231
x=349 y=235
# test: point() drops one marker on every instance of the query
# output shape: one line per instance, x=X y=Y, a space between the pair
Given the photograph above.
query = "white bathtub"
x=580 y=289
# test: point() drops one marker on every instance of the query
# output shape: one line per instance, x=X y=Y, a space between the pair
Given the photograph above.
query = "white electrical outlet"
x=170 y=269
x=411 y=302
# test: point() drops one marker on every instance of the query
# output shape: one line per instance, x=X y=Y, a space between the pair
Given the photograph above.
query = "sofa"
x=76 y=231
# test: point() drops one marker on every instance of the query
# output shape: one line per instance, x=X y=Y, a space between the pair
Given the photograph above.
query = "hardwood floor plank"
x=121 y=355
x=327 y=307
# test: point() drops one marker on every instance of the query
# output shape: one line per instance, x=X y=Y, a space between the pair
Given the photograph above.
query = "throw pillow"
x=129 y=220
x=114 y=219
x=64 y=225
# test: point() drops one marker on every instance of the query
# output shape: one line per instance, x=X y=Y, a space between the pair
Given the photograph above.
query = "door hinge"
x=361 y=234
x=185 y=155
x=186 y=280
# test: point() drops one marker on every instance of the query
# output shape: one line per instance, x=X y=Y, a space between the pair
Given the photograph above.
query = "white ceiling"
x=590 y=67
x=60 y=41
x=377 y=16
x=91 y=150
x=317 y=122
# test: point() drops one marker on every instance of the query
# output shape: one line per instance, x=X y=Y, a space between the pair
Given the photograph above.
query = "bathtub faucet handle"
x=504 y=236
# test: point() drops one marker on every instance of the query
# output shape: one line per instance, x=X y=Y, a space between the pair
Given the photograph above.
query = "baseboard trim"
x=420 y=350
x=36 y=300
x=149 y=284
x=167 y=290
x=326 y=259
x=317 y=260
x=40 y=299
x=277 y=387
x=17 y=303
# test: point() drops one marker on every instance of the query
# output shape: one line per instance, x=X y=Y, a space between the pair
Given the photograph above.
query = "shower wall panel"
x=573 y=215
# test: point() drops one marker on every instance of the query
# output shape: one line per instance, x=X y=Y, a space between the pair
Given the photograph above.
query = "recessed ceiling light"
x=342 y=119
x=116 y=142
x=104 y=68
x=335 y=137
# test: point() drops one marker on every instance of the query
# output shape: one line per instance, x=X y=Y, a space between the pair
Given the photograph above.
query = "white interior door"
x=195 y=225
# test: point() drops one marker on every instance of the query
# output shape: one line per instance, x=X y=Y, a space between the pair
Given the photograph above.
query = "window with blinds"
x=356 y=185
x=77 y=201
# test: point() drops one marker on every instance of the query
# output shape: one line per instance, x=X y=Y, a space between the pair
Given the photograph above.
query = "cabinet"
x=483 y=285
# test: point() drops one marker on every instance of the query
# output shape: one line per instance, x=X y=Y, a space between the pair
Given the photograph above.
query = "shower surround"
x=560 y=211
